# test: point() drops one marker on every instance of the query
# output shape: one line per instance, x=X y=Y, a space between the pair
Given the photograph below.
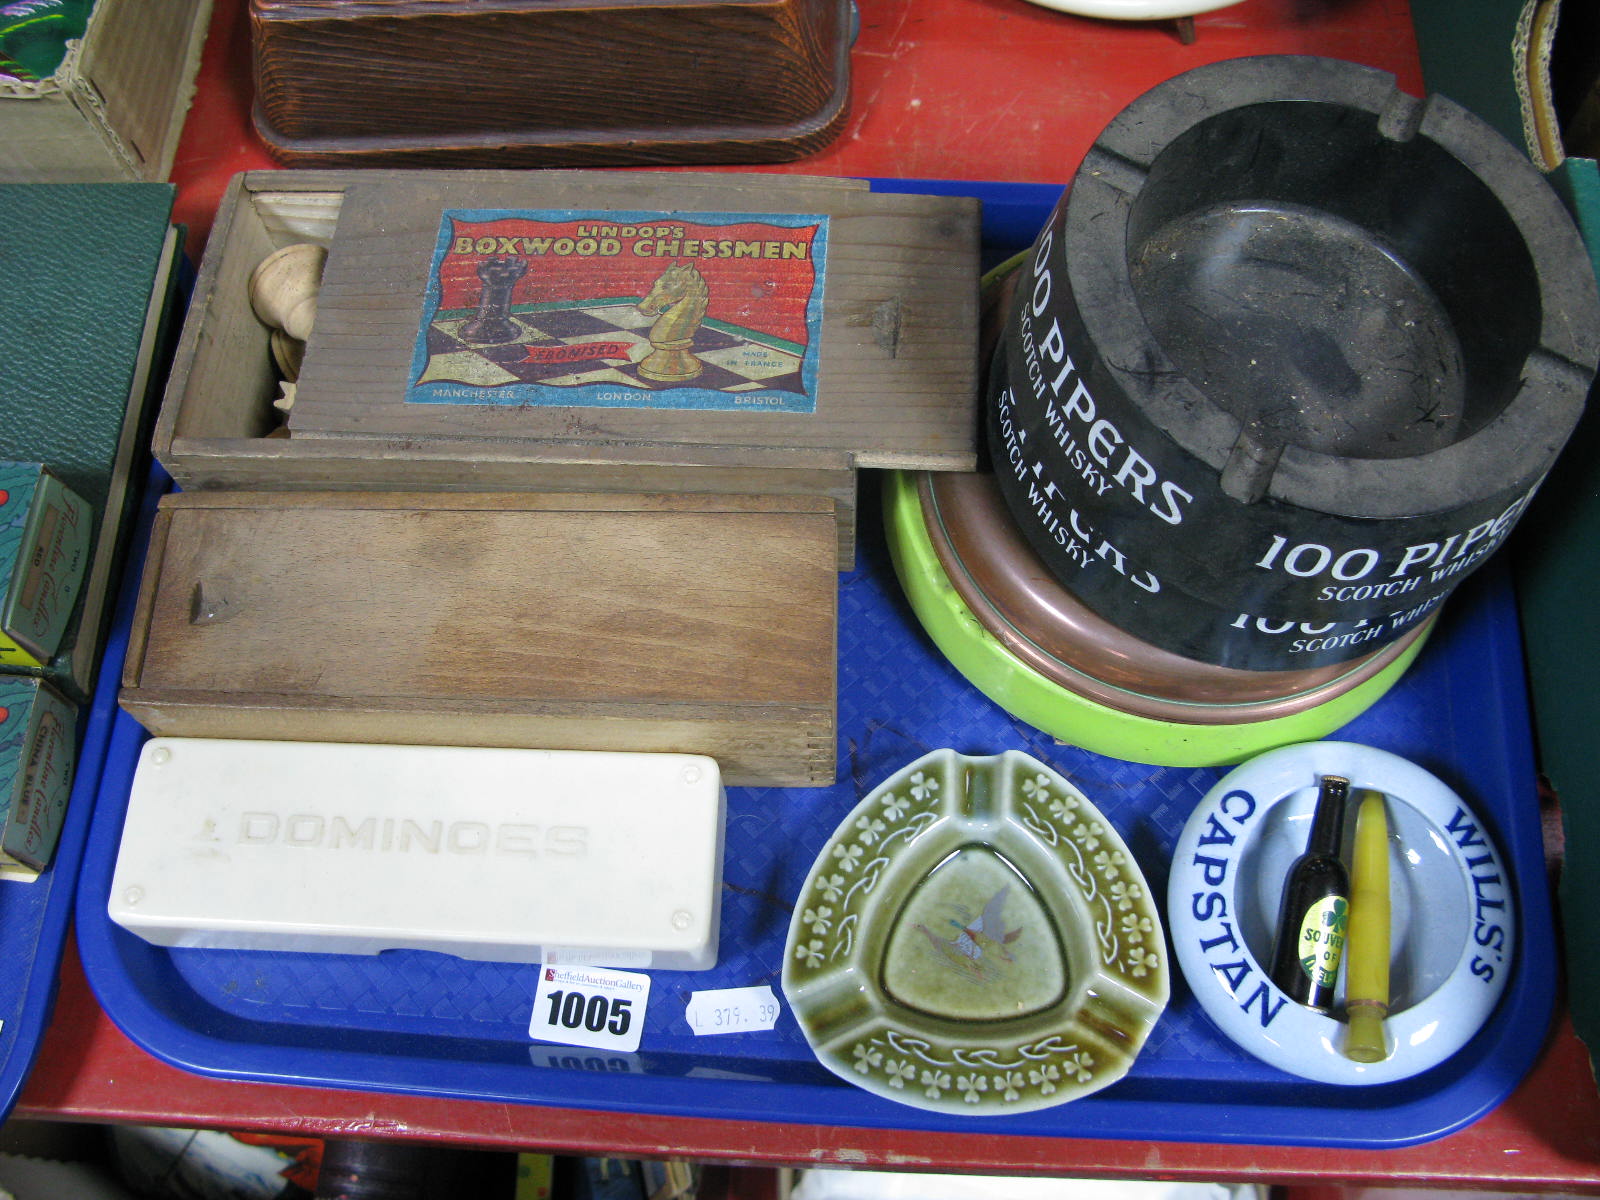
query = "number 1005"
x=594 y=1013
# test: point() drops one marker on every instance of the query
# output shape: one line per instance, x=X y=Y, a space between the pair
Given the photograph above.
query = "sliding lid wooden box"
x=692 y=624
x=860 y=352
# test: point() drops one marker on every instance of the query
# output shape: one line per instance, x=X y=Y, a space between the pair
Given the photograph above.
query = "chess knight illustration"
x=678 y=301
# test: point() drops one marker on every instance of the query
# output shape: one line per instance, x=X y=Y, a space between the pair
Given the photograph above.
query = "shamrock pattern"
x=840 y=891
x=1129 y=939
x=987 y=1077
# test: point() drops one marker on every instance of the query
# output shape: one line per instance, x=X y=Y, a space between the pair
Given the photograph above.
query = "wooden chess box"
x=571 y=460
x=568 y=621
x=890 y=341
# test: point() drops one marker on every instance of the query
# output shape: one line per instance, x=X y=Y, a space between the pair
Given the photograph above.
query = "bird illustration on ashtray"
x=979 y=946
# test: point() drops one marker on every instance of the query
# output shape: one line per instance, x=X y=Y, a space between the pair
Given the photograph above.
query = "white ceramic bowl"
x=1451 y=902
x=1136 y=10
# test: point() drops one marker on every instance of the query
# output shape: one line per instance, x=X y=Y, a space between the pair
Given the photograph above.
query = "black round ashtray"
x=1288 y=361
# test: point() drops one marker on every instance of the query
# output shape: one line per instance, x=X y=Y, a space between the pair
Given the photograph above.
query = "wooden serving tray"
x=693 y=624
x=549 y=82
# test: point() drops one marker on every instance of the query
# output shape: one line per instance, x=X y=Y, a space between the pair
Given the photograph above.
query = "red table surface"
x=998 y=90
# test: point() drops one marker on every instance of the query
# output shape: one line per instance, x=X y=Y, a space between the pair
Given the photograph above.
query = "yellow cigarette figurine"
x=1367 y=949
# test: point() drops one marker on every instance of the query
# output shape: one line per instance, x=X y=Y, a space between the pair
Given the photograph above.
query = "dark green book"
x=89 y=284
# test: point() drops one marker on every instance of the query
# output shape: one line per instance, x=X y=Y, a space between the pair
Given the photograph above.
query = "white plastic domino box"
x=586 y=858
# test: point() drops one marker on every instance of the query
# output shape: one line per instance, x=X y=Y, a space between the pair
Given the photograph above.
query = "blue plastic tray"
x=433 y=1025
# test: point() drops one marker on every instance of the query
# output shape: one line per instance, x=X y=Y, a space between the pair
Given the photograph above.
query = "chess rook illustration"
x=493 y=325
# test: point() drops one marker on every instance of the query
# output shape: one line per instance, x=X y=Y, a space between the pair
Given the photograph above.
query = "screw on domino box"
x=499 y=855
x=562 y=621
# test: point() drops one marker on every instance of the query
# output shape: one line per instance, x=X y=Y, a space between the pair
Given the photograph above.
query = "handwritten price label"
x=589 y=1006
x=733 y=1010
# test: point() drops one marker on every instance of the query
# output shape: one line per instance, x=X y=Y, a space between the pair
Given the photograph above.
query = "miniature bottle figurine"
x=1315 y=907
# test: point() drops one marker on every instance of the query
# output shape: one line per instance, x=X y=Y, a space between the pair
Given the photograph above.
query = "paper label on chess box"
x=565 y=308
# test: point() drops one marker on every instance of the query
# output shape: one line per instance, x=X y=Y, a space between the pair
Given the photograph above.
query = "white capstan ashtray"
x=1453 y=924
x=584 y=858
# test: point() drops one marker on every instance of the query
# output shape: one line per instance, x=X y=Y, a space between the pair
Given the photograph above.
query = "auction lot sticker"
x=590 y=1006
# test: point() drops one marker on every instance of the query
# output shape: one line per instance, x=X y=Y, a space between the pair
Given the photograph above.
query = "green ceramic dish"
x=1026 y=694
x=975 y=938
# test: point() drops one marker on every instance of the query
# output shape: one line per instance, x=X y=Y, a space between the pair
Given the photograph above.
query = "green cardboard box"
x=45 y=532
x=38 y=744
x=114 y=109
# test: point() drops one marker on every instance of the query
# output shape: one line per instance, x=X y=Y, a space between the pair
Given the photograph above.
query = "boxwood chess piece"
x=678 y=300
x=284 y=287
x=492 y=324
